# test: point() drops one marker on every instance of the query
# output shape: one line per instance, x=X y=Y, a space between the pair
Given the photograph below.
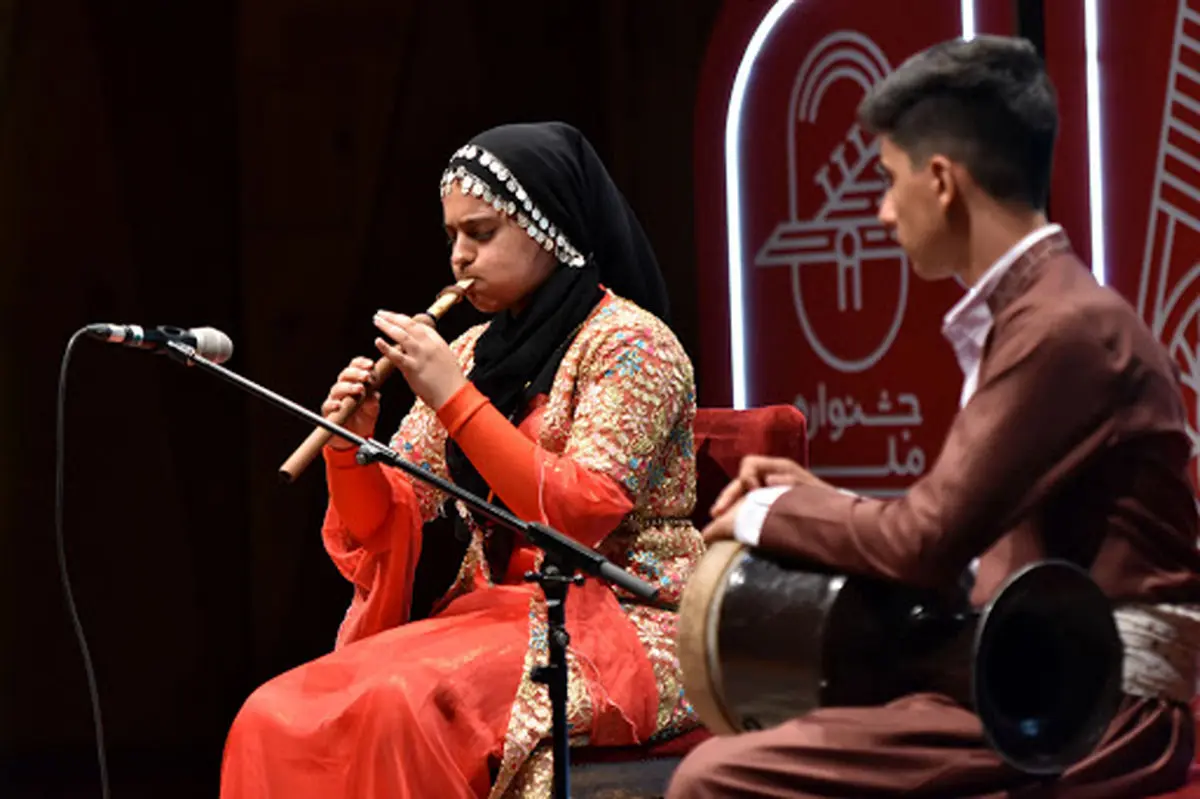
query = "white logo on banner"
x=844 y=233
x=1171 y=304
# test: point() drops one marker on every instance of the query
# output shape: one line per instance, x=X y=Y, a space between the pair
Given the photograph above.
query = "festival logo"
x=843 y=233
x=839 y=325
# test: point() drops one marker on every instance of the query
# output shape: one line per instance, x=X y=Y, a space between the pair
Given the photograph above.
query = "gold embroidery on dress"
x=623 y=405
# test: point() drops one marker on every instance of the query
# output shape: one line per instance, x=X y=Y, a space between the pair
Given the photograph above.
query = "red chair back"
x=724 y=436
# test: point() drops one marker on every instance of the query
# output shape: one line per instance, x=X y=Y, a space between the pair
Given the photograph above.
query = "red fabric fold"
x=372 y=532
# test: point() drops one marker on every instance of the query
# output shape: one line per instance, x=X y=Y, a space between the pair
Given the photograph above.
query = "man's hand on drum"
x=756 y=471
x=760 y=471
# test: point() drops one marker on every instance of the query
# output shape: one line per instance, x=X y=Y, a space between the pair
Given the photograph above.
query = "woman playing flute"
x=573 y=406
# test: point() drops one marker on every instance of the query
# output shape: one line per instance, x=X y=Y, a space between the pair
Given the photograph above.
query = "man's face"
x=915 y=206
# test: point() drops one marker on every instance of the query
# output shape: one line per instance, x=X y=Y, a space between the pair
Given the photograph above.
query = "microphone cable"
x=59 y=492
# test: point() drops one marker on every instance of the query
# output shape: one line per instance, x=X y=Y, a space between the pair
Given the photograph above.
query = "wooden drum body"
x=761 y=641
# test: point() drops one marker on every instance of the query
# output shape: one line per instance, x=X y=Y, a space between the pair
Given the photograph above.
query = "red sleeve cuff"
x=341 y=458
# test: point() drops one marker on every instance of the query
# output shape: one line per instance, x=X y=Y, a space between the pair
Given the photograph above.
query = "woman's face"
x=489 y=246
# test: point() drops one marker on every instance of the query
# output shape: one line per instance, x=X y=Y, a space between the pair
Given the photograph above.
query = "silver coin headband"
x=504 y=192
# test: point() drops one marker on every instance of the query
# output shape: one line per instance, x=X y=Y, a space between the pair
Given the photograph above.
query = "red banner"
x=830 y=316
x=1145 y=183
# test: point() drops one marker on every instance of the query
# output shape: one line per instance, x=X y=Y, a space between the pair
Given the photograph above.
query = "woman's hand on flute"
x=352 y=385
x=421 y=355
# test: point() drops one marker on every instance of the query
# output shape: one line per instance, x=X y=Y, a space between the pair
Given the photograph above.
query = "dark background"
x=269 y=168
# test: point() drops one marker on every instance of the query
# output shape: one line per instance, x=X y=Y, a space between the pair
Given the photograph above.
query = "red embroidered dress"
x=436 y=707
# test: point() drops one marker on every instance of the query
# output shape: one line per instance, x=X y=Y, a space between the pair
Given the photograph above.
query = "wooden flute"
x=304 y=454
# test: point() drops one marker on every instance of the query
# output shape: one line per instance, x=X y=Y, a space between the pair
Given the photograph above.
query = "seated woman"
x=574 y=407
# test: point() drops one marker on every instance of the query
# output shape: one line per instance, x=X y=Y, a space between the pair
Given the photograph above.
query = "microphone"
x=209 y=342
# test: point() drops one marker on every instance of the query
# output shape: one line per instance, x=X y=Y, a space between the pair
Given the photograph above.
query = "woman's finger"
x=344 y=389
x=334 y=403
x=396 y=354
x=391 y=328
x=394 y=318
x=353 y=374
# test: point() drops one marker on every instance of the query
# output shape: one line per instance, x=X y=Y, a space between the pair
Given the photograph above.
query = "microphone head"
x=213 y=344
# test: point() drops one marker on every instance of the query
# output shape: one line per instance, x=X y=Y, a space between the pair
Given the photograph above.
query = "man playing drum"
x=1071 y=442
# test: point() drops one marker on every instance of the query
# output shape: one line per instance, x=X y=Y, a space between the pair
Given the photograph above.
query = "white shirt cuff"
x=747 y=524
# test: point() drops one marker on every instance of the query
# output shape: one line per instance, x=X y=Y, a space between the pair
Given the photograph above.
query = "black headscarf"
x=548 y=177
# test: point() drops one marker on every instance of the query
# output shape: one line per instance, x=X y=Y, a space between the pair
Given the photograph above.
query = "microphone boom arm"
x=572 y=554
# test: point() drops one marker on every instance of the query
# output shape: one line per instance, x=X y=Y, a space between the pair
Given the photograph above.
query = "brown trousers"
x=926 y=745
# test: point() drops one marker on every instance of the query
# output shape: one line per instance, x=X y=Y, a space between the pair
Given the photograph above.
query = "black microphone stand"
x=564 y=557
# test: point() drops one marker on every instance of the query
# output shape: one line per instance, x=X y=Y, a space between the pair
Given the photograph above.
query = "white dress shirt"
x=965 y=326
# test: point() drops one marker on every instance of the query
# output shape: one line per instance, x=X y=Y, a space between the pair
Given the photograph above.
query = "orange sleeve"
x=365 y=497
x=372 y=533
x=535 y=485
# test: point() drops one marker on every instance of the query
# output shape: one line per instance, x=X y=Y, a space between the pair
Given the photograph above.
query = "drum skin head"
x=697 y=637
x=751 y=638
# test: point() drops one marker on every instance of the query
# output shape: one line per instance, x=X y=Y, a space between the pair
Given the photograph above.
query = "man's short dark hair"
x=986 y=103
